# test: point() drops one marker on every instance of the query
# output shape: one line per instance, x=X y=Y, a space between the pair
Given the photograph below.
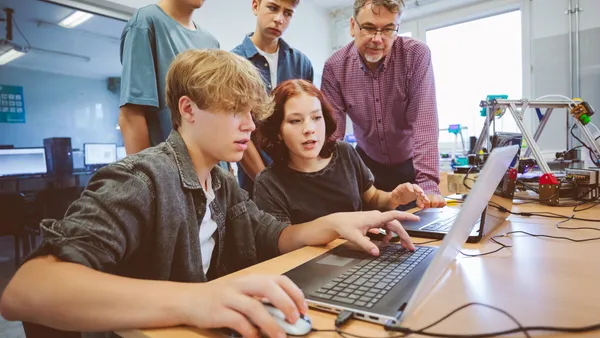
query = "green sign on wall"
x=12 y=104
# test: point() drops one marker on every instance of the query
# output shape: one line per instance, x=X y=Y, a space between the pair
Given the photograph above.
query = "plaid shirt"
x=393 y=110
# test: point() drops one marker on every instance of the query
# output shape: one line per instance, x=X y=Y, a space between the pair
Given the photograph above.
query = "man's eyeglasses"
x=372 y=31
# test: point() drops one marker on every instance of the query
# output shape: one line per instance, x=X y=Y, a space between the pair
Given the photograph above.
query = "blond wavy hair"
x=216 y=80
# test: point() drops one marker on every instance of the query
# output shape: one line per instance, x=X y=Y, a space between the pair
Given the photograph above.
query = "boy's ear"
x=255 y=5
x=186 y=109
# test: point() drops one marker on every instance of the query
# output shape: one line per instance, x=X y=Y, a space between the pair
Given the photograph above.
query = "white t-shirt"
x=207 y=228
x=273 y=60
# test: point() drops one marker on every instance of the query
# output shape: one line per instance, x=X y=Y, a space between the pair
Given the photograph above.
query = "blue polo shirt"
x=291 y=64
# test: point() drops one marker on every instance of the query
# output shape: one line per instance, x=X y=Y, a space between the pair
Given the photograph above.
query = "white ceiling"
x=331 y=4
x=88 y=50
x=92 y=48
x=334 y=4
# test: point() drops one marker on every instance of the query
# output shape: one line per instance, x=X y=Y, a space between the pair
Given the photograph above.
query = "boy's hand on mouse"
x=234 y=303
x=406 y=193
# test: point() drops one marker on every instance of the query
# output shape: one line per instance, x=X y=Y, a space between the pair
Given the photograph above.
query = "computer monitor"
x=22 y=161
x=98 y=154
x=121 y=153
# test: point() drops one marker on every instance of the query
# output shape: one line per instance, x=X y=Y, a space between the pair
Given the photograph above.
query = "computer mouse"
x=379 y=237
x=300 y=328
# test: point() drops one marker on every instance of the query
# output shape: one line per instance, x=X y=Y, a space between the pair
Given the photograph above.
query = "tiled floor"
x=7 y=269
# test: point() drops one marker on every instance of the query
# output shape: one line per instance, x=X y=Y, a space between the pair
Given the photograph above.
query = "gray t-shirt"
x=149 y=43
x=295 y=197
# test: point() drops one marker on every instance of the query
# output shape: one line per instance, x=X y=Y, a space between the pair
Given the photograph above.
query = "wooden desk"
x=543 y=282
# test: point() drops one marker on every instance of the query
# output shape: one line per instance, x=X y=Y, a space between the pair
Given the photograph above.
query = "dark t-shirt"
x=296 y=197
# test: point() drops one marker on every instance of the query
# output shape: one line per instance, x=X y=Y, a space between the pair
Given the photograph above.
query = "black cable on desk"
x=405 y=331
x=493 y=239
x=546 y=214
x=506 y=246
x=586 y=208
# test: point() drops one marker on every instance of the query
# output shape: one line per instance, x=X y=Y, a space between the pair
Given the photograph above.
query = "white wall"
x=550 y=60
x=230 y=20
x=61 y=106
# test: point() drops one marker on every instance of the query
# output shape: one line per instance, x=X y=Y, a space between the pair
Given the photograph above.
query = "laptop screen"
x=482 y=191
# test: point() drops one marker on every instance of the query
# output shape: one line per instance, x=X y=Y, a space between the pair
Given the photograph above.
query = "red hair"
x=268 y=131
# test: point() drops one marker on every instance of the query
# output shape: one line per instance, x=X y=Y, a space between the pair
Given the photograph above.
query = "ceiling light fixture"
x=75 y=19
x=9 y=50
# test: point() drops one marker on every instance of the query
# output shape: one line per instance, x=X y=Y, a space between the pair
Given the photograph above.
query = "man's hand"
x=435 y=201
x=235 y=304
x=406 y=193
x=354 y=227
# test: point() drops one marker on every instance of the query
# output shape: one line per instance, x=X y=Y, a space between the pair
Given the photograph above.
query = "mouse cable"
x=404 y=331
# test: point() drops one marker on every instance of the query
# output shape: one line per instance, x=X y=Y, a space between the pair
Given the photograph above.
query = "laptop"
x=389 y=288
x=436 y=222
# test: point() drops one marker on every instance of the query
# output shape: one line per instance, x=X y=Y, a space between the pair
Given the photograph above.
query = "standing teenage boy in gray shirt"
x=276 y=61
x=152 y=38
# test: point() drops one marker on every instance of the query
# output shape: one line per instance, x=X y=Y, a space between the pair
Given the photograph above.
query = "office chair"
x=51 y=203
x=54 y=202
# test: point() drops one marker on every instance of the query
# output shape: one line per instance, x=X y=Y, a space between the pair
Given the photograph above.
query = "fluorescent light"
x=10 y=51
x=10 y=56
x=75 y=19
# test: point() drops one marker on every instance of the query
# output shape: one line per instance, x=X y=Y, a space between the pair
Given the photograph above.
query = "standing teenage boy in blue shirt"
x=276 y=61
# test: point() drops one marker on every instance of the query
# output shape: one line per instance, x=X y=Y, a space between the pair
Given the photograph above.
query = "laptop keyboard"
x=365 y=285
x=440 y=225
x=443 y=225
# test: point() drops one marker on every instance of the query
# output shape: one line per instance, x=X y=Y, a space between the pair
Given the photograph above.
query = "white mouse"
x=302 y=326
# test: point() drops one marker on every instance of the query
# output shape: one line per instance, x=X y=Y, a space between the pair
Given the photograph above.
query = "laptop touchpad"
x=335 y=260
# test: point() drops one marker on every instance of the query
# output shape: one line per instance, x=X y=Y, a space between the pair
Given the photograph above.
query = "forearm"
x=252 y=162
x=427 y=172
x=318 y=232
x=380 y=201
x=132 y=121
x=68 y=296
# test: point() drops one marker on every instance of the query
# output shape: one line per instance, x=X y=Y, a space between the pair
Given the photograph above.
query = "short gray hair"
x=394 y=6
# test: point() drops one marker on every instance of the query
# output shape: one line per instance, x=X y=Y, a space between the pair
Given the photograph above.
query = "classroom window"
x=472 y=60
